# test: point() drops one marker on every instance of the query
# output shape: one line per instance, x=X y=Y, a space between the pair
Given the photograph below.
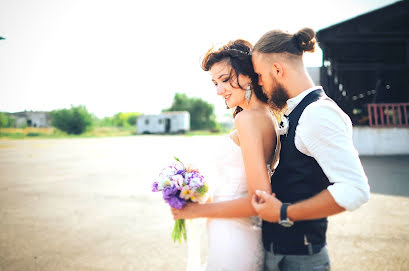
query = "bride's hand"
x=267 y=206
x=187 y=212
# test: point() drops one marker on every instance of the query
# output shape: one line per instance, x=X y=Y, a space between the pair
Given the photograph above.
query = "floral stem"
x=179 y=231
x=177 y=159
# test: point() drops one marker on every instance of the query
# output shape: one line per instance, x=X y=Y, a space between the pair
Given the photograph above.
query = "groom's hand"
x=267 y=206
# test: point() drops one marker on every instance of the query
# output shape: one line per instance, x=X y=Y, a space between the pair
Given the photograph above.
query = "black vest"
x=296 y=178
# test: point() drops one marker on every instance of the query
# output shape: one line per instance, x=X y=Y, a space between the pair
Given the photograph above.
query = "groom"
x=319 y=172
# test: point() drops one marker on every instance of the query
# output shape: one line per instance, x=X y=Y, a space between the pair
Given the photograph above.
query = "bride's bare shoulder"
x=254 y=119
x=245 y=117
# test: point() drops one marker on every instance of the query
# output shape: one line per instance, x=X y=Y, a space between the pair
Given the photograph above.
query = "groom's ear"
x=277 y=70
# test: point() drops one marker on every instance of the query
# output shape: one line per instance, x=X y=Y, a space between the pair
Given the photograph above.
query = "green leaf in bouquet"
x=203 y=189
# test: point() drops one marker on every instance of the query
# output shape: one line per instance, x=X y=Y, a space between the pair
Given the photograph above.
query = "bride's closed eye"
x=224 y=81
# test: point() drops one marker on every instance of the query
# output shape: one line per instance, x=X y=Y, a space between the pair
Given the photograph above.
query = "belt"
x=303 y=249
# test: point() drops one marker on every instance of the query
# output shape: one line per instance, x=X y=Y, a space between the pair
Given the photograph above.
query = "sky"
x=133 y=56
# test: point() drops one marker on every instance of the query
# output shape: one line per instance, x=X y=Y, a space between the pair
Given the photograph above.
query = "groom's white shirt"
x=324 y=132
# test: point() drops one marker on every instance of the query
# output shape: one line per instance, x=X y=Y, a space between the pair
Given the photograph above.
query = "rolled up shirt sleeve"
x=324 y=132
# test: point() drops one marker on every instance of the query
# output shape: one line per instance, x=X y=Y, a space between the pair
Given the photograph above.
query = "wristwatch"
x=284 y=220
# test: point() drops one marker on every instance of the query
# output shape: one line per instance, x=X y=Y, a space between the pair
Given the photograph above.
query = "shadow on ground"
x=388 y=175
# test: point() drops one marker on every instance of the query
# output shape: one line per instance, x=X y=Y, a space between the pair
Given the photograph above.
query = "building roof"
x=366 y=52
x=29 y=112
x=175 y=112
x=167 y=113
x=391 y=20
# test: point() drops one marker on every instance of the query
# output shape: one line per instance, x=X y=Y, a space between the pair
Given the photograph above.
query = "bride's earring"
x=248 y=94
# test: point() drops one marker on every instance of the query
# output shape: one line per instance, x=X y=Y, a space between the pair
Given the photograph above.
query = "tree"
x=72 y=121
x=4 y=120
x=132 y=118
x=125 y=119
x=120 y=120
x=201 y=112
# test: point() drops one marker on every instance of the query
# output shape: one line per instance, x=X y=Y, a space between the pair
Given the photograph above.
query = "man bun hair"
x=278 y=41
x=305 y=39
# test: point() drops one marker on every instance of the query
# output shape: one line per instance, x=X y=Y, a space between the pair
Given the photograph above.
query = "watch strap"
x=283 y=211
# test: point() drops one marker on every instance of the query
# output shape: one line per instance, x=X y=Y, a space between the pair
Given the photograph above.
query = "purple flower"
x=155 y=187
x=171 y=196
x=169 y=191
x=176 y=202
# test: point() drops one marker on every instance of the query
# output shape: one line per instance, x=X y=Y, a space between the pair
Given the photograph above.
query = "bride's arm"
x=250 y=131
x=226 y=209
x=251 y=143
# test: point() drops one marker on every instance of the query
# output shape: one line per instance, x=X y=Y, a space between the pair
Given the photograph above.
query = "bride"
x=234 y=232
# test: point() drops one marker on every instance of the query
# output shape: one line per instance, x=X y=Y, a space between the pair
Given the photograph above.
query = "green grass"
x=31 y=132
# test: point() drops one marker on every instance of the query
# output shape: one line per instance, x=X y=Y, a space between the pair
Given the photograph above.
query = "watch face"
x=286 y=223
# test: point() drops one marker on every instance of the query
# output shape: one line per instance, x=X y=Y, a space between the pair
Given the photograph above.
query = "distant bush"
x=6 y=121
x=120 y=120
x=33 y=134
x=132 y=119
x=75 y=120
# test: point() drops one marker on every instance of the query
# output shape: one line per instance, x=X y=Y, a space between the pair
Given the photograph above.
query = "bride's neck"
x=253 y=104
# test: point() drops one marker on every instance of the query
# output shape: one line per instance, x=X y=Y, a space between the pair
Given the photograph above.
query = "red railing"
x=388 y=115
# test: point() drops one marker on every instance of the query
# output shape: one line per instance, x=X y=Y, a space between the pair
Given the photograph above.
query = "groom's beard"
x=279 y=97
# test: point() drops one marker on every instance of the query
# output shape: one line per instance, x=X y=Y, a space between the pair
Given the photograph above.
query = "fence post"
x=400 y=115
x=370 y=114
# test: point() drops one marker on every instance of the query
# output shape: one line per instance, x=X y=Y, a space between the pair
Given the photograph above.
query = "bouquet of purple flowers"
x=180 y=185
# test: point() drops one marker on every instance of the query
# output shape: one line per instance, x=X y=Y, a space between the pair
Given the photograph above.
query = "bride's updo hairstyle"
x=238 y=54
x=278 y=41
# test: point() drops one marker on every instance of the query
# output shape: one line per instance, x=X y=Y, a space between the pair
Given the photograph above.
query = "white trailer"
x=164 y=123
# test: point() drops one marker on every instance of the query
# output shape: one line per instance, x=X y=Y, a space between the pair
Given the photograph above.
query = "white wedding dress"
x=234 y=244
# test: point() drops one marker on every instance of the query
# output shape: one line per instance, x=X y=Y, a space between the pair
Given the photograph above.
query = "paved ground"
x=85 y=204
